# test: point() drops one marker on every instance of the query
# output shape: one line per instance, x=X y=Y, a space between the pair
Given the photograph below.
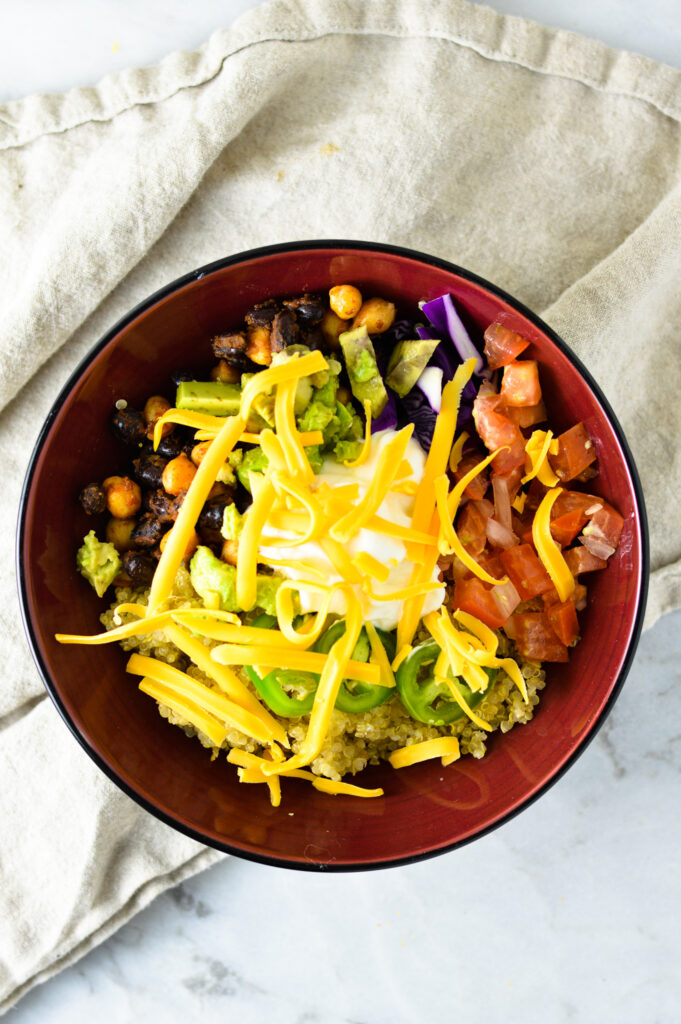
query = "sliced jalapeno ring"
x=424 y=698
x=355 y=697
x=274 y=686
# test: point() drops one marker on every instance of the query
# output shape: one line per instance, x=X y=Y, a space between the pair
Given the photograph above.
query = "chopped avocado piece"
x=407 y=363
x=344 y=417
x=232 y=523
x=98 y=562
x=304 y=386
x=253 y=461
x=315 y=457
x=210 y=576
x=211 y=397
x=347 y=451
x=317 y=416
x=360 y=361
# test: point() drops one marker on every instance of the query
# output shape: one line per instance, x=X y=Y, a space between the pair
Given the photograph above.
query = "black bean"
x=313 y=338
x=230 y=347
x=148 y=531
x=129 y=425
x=93 y=499
x=309 y=309
x=285 y=330
x=139 y=567
x=262 y=314
x=162 y=506
x=149 y=469
x=210 y=520
x=170 y=446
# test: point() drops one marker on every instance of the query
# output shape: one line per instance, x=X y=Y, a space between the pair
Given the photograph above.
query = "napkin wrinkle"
x=108 y=193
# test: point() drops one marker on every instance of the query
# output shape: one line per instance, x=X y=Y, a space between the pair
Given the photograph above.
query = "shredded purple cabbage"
x=419 y=412
x=455 y=347
x=443 y=316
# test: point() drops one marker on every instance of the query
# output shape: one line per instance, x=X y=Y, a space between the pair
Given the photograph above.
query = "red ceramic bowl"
x=426 y=810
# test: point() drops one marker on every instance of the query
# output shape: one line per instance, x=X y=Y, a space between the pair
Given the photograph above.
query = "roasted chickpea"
x=154 y=408
x=345 y=300
x=332 y=327
x=377 y=315
x=191 y=547
x=123 y=496
x=118 y=532
x=230 y=551
x=178 y=475
x=199 y=450
x=259 y=348
x=225 y=373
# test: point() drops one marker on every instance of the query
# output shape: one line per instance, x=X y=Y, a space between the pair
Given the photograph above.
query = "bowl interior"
x=425 y=808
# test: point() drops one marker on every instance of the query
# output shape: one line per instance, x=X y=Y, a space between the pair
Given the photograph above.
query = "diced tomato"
x=491 y=563
x=474 y=597
x=477 y=487
x=580 y=560
x=470 y=527
x=606 y=525
x=520 y=384
x=502 y=345
x=578 y=597
x=565 y=528
x=535 y=637
x=526 y=571
x=524 y=528
x=527 y=415
x=497 y=431
x=563 y=619
x=568 y=501
x=535 y=495
x=575 y=453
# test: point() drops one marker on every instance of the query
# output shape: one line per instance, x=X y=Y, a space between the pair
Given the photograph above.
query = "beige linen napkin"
x=543 y=161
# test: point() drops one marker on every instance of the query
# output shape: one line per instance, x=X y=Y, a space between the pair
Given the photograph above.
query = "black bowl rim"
x=243 y=257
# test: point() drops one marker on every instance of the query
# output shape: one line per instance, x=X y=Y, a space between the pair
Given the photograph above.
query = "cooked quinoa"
x=353 y=740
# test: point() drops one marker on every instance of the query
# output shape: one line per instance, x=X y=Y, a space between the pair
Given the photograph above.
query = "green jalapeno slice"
x=274 y=687
x=354 y=697
x=424 y=698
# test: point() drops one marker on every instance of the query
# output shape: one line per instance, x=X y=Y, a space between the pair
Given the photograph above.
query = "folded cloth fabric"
x=543 y=161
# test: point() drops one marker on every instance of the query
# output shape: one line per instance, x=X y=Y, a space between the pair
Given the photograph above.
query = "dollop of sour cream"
x=391 y=552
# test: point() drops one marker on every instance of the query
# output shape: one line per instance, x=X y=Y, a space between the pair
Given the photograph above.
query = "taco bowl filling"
x=359 y=541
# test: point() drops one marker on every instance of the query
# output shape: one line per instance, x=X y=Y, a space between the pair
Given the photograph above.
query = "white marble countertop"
x=576 y=900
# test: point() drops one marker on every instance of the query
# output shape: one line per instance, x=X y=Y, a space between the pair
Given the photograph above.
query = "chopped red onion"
x=502 y=500
x=508 y=599
x=598 y=547
x=499 y=536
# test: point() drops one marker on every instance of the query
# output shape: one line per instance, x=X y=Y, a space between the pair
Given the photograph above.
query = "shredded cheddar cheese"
x=441 y=746
x=538 y=448
x=547 y=549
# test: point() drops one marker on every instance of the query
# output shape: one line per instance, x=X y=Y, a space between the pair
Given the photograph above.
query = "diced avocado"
x=232 y=523
x=317 y=416
x=304 y=386
x=360 y=361
x=98 y=562
x=210 y=576
x=344 y=417
x=253 y=461
x=212 y=397
x=407 y=363
x=347 y=451
x=315 y=457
